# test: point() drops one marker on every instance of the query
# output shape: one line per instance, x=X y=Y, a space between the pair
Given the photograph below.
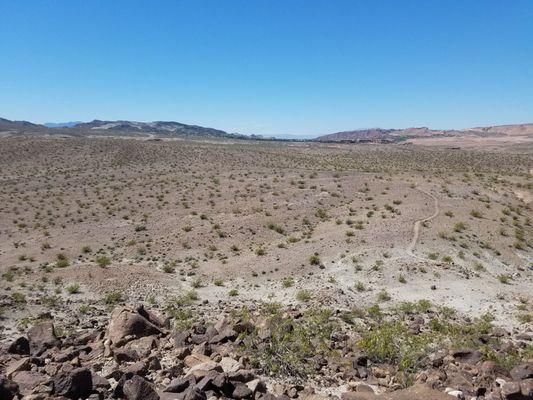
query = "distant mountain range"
x=169 y=129
x=398 y=135
x=113 y=128
x=164 y=128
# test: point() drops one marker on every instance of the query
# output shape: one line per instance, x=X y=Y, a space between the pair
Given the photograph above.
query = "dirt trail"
x=416 y=227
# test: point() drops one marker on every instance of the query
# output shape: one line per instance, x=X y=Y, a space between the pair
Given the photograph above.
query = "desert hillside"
x=379 y=260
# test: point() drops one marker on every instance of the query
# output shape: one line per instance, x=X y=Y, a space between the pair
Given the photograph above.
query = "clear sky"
x=269 y=67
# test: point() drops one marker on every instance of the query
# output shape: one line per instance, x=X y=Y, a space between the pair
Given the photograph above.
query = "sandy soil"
x=343 y=222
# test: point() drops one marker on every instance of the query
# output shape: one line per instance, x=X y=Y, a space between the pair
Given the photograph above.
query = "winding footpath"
x=416 y=227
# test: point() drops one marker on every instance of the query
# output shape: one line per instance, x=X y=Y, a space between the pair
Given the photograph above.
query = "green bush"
x=103 y=261
x=288 y=346
x=112 y=298
x=288 y=282
x=73 y=289
x=392 y=342
x=303 y=295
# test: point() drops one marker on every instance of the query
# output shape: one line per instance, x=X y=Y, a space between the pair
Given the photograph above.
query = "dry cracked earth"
x=189 y=269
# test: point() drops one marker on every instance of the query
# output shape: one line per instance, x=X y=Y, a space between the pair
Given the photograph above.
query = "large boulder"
x=18 y=365
x=155 y=317
x=19 y=346
x=8 y=388
x=74 y=384
x=138 y=388
x=126 y=323
x=522 y=371
x=42 y=337
x=468 y=356
x=29 y=381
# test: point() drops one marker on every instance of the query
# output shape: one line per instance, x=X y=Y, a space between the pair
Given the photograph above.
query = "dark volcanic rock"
x=138 y=388
x=126 y=322
x=21 y=345
x=179 y=385
x=241 y=391
x=8 y=388
x=74 y=384
x=41 y=337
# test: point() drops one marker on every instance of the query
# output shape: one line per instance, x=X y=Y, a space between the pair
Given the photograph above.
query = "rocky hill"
x=7 y=126
x=265 y=353
x=114 y=128
x=397 y=135
x=165 y=128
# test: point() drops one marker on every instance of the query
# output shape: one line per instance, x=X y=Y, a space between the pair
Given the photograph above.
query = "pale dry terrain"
x=162 y=217
x=395 y=251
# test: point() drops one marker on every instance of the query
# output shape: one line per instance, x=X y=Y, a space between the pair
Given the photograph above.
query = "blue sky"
x=269 y=67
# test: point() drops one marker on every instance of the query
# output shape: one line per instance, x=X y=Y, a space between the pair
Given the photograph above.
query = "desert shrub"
x=303 y=295
x=392 y=342
x=61 y=260
x=525 y=318
x=476 y=214
x=51 y=301
x=196 y=283
x=314 y=259
x=112 y=298
x=288 y=282
x=9 y=276
x=18 y=298
x=276 y=228
x=360 y=286
x=180 y=312
x=321 y=213
x=503 y=278
x=168 y=268
x=479 y=266
x=84 y=309
x=103 y=261
x=459 y=226
x=383 y=295
x=73 y=288
x=288 y=346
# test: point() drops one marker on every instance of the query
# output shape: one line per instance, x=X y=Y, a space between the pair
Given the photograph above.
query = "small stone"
x=8 y=389
x=522 y=371
x=241 y=391
x=511 y=390
x=228 y=364
x=21 y=346
x=455 y=393
x=20 y=365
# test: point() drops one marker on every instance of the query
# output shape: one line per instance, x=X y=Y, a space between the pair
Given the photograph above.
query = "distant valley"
x=509 y=134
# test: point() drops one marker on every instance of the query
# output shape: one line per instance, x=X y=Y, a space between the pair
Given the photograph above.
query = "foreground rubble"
x=139 y=355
